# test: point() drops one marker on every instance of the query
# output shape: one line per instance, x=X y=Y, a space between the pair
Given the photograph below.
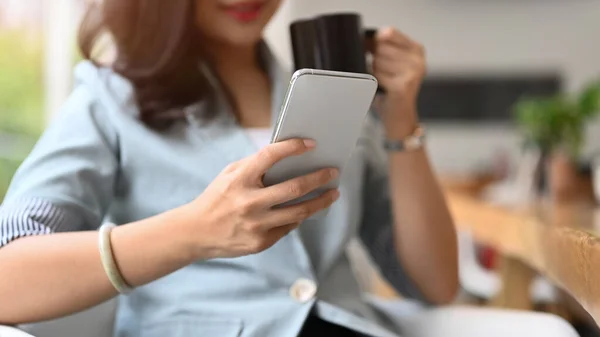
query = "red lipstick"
x=244 y=11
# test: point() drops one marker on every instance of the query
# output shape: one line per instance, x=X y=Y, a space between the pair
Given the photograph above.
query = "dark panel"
x=480 y=98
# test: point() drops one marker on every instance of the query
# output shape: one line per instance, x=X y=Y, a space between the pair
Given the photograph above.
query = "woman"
x=165 y=143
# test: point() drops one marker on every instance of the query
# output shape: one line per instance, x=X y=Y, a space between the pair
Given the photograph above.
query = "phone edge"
x=319 y=72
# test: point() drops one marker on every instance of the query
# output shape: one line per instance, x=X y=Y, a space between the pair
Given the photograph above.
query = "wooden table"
x=559 y=241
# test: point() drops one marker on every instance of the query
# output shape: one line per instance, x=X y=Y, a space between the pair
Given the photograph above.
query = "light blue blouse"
x=97 y=162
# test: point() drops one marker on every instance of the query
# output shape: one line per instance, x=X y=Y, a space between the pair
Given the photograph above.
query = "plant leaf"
x=589 y=100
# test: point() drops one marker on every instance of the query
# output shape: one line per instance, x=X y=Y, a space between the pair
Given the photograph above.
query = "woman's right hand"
x=235 y=216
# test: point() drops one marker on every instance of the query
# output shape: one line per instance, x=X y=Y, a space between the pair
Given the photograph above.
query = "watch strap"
x=413 y=142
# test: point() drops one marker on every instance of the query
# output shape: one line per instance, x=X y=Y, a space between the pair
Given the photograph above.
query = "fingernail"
x=386 y=32
x=310 y=143
x=334 y=173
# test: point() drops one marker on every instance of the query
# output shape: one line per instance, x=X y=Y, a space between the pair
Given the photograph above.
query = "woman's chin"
x=243 y=40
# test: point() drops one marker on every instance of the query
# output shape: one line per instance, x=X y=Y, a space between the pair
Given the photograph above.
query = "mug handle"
x=369 y=48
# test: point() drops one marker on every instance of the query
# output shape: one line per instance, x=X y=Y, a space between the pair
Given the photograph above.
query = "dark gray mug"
x=331 y=42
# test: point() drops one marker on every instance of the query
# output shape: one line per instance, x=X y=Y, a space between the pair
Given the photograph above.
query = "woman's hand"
x=235 y=214
x=399 y=65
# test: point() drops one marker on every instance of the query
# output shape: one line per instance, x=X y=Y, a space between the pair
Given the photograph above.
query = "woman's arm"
x=425 y=236
x=424 y=232
x=64 y=185
x=406 y=225
x=50 y=276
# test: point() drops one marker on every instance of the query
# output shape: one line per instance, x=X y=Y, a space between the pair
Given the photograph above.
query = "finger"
x=297 y=187
x=268 y=238
x=380 y=70
x=393 y=52
x=262 y=161
x=232 y=167
x=302 y=211
x=275 y=234
x=395 y=68
x=392 y=36
x=400 y=64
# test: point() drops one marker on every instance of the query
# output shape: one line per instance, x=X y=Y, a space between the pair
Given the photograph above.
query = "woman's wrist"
x=400 y=117
x=398 y=128
x=182 y=223
x=149 y=249
x=194 y=233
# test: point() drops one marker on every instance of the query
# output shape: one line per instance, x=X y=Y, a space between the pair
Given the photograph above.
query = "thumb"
x=384 y=34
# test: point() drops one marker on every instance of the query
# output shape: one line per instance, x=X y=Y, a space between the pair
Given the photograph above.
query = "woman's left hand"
x=399 y=65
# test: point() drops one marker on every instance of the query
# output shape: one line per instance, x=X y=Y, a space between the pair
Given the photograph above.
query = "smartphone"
x=329 y=107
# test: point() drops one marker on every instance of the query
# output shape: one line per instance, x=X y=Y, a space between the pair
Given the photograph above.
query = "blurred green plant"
x=21 y=84
x=559 y=121
x=21 y=95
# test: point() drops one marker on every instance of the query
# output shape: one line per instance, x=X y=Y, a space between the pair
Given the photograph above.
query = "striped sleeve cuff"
x=29 y=217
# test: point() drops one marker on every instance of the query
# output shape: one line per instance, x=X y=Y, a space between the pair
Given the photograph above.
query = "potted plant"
x=556 y=126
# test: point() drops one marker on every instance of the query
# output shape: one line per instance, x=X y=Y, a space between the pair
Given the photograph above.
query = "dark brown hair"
x=157 y=50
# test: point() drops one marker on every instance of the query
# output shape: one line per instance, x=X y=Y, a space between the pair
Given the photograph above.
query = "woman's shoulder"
x=100 y=104
x=99 y=97
x=102 y=86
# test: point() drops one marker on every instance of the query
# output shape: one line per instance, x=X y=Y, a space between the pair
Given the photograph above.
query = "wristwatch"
x=413 y=142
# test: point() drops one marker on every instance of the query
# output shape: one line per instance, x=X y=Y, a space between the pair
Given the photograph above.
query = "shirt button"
x=303 y=290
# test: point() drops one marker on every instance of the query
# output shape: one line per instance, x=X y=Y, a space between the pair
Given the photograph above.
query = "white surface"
x=472 y=322
x=6 y=331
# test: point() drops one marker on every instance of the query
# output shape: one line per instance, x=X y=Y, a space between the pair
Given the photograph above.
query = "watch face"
x=413 y=143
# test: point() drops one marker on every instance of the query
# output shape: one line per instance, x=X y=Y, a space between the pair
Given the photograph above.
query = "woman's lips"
x=245 y=11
